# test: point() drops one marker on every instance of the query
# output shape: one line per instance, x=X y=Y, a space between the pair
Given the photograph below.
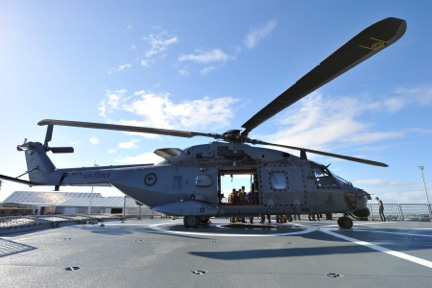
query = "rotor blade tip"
x=43 y=122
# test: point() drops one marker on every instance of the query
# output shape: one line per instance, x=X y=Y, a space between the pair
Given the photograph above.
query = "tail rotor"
x=48 y=138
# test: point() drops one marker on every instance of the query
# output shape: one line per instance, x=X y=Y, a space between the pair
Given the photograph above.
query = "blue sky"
x=208 y=66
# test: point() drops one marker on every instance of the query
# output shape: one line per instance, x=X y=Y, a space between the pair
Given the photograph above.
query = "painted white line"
x=395 y=233
x=401 y=255
x=158 y=227
x=361 y=223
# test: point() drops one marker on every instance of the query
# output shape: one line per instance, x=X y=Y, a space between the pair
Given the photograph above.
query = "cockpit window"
x=323 y=177
x=342 y=181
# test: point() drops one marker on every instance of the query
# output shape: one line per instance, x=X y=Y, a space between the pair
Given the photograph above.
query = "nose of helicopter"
x=362 y=198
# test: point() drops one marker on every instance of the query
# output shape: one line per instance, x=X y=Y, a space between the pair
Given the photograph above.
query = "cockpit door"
x=282 y=185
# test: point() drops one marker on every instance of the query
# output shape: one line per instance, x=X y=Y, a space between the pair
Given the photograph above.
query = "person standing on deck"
x=381 y=209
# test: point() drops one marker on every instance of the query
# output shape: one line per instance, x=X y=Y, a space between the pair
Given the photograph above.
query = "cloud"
x=152 y=107
x=419 y=95
x=371 y=137
x=394 y=104
x=256 y=34
x=208 y=69
x=393 y=191
x=212 y=59
x=144 y=158
x=119 y=68
x=138 y=123
x=205 y=57
x=111 y=150
x=75 y=142
x=184 y=71
x=321 y=122
x=130 y=145
x=404 y=97
x=112 y=101
x=94 y=140
x=158 y=110
x=329 y=123
x=145 y=62
x=157 y=45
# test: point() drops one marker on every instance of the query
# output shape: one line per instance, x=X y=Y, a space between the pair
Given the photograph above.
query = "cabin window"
x=278 y=181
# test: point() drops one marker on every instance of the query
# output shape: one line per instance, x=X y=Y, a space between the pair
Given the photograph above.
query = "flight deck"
x=160 y=252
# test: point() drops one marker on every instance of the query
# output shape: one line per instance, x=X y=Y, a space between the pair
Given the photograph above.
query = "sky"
x=208 y=66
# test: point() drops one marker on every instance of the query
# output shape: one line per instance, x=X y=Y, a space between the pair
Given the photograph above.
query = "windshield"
x=326 y=179
x=341 y=181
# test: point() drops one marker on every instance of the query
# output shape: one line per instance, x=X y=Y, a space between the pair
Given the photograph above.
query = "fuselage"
x=188 y=182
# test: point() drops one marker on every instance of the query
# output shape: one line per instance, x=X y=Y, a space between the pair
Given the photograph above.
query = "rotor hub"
x=233 y=136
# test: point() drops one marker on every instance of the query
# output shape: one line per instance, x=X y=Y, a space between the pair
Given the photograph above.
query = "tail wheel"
x=191 y=221
x=345 y=222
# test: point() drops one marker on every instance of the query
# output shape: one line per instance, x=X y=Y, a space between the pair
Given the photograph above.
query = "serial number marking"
x=97 y=175
x=376 y=45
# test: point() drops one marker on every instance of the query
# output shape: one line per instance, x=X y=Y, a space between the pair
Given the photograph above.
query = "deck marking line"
x=158 y=227
x=395 y=233
x=381 y=249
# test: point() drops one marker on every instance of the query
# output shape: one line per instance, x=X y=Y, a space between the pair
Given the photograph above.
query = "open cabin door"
x=230 y=179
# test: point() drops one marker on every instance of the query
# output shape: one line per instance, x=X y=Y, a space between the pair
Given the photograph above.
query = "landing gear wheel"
x=345 y=222
x=191 y=221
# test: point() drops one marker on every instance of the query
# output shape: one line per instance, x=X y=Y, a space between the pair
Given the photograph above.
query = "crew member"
x=264 y=216
x=381 y=209
x=231 y=200
x=242 y=201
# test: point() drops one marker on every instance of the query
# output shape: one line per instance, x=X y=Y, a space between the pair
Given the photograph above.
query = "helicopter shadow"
x=129 y=230
x=113 y=230
x=391 y=241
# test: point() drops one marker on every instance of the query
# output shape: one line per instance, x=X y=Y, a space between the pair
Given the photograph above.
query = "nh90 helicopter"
x=188 y=182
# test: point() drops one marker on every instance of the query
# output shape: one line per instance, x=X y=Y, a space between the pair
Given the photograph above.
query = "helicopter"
x=188 y=181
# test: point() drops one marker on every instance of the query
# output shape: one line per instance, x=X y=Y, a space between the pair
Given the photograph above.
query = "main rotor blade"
x=126 y=128
x=367 y=43
x=48 y=135
x=349 y=158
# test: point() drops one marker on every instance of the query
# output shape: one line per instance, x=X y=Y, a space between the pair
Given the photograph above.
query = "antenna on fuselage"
x=303 y=154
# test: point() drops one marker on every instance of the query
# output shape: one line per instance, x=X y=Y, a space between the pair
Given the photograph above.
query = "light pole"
x=91 y=195
x=89 y=207
x=124 y=208
x=427 y=198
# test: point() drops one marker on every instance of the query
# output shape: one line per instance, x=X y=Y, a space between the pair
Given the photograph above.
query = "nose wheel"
x=345 y=222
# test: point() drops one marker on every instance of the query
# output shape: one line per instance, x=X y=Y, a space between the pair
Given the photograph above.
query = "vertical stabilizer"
x=39 y=166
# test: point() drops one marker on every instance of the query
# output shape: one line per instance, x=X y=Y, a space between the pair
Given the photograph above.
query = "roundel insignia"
x=150 y=179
